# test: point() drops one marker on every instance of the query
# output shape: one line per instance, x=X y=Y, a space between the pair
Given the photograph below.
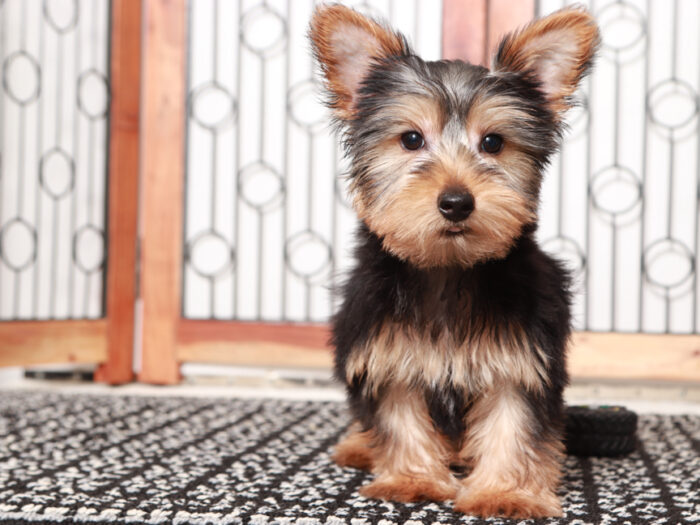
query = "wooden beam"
x=123 y=190
x=162 y=166
x=256 y=344
x=310 y=335
x=254 y=353
x=635 y=356
x=25 y=343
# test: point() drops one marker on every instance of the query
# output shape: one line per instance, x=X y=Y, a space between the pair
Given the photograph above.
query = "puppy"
x=452 y=334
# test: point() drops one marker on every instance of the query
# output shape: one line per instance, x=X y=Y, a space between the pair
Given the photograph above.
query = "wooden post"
x=471 y=29
x=505 y=16
x=464 y=30
x=162 y=166
x=123 y=179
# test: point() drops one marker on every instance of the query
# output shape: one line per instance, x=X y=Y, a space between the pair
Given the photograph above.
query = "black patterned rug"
x=77 y=458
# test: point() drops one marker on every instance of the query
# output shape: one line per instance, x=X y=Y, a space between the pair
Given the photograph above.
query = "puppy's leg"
x=410 y=456
x=355 y=449
x=516 y=460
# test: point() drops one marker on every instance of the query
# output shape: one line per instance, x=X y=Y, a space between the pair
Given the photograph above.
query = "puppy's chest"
x=446 y=343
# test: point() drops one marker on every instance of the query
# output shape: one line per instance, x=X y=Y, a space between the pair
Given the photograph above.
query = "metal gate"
x=68 y=182
x=621 y=201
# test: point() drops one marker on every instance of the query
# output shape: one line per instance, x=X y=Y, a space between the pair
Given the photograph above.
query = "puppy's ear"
x=555 y=51
x=346 y=44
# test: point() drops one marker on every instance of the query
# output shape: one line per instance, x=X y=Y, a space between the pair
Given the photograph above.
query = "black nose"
x=456 y=207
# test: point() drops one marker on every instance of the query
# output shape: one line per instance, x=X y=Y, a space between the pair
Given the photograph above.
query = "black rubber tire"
x=600 y=431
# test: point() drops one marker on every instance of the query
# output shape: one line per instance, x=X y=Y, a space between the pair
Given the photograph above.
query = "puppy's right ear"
x=346 y=44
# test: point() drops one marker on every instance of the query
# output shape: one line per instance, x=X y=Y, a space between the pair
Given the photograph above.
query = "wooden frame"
x=108 y=341
x=471 y=29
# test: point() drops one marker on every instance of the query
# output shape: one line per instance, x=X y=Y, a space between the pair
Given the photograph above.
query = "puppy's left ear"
x=555 y=51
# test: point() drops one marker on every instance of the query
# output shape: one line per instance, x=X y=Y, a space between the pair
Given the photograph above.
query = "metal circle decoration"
x=263 y=31
x=305 y=108
x=18 y=244
x=209 y=254
x=615 y=191
x=623 y=25
x=21 y=77
x=62 y=17
x=261 y=186
x=308 y=255
x=56 y=173
x=89 y=248
x=672 y=104
x=93 y=94
x=668 y=264
x=212 y=106
x=568 y=249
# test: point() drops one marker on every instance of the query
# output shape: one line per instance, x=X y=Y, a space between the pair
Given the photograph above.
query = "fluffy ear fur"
x=345 y=44
x=556 y=51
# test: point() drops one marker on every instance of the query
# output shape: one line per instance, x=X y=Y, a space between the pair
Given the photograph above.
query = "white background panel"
x=53 y=137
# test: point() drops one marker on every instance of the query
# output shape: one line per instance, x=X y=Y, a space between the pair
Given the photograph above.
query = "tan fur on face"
x=398 y=198
x=410 y=457
x=346 y=43
x=389 y=160
x=556 y=49
x=411 y=227
x=512 y=474
x=401 y=356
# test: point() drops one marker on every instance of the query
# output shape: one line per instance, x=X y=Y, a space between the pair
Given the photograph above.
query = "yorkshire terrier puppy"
x=452 y=334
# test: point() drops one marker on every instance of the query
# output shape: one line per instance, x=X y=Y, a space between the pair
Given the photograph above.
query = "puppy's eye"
x=412 y=140
x=492 y=143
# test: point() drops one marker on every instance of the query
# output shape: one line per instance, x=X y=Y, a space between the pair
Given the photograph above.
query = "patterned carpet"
x=77 y=458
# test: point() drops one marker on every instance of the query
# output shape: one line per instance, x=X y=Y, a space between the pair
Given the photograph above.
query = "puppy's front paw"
x=409 y=488
x=354 y=451
x=508 y=504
